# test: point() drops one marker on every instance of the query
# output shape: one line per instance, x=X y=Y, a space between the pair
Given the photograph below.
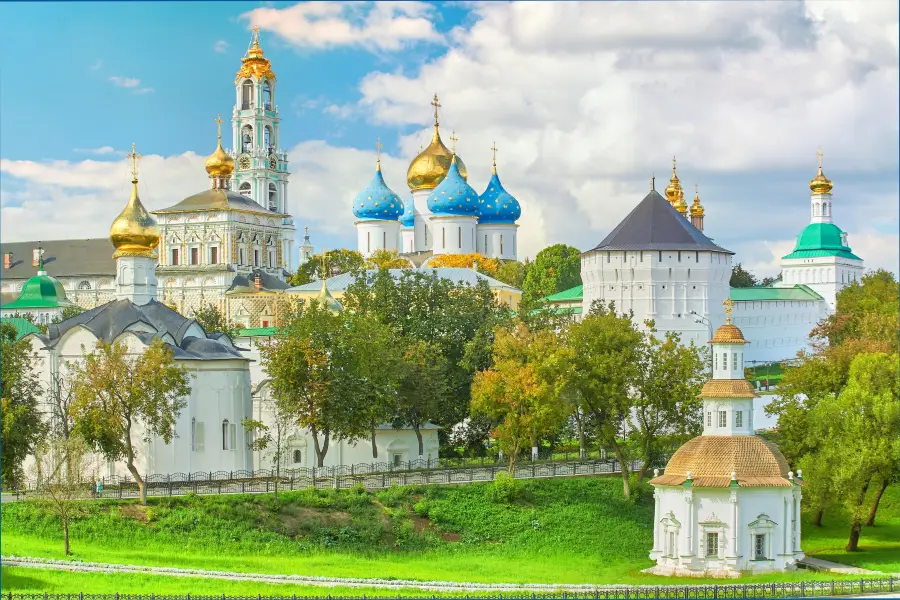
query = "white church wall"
x=826 y=275
x=453 y=235
x=373 y=235
x=497 y=240
x=776 y=329
x=424 y=236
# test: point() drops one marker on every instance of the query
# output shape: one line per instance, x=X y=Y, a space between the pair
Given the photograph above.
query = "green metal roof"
x=41 y=291
x=570 y=295
x=821 y=239
x=764 y=293
x=566 y=310
x=23 y=326
x=256 y=331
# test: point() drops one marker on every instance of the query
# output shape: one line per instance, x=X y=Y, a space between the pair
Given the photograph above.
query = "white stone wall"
x=826 y=275
x=407 y=240
x=776 y=330
x=373 y=235
x=497 y=240
x=424 y=236
x=453 y=235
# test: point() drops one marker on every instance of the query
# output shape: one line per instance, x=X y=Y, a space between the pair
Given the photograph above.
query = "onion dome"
x=453 y=196
x=696 y=207
x=728 y=333
x=408 y=219
x=327 y=300
x=377 y=201
x=40 y=291
x=255 y=64
x=219 y=164
x=430 y=167
x=134 y=232
x=680 y=205
x=496 y=205
x=674 y=187
x=820 y=184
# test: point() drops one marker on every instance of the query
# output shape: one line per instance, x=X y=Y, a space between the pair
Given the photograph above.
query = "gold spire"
x=674 y=188
x=696 y=207
x=219 y=165
x=378 y=154
x=728 y=333
x=453 y=140
x=430 y=166
x=134 y=232
x=729 y=306
x=820 y=184
x=494 y=152
x=255 y=64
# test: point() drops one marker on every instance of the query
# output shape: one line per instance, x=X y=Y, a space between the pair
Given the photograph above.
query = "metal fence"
x=374 y=476
x=792 y=589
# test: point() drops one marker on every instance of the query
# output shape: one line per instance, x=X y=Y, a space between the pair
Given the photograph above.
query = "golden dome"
x=674 y=188
x=680 y=205
x=696 y=207
x=134 y=232
x=728 y=333
x=219 y=163
x=820 y=184
x=255 y=64
x=430 y=167
x=712 y=459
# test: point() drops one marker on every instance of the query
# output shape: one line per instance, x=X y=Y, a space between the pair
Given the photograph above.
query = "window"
x=642 y=256
x=214 y=255
x=723 y=418
x=712 y=544
x=273 y=198
x=426 y=235
x=738 y=418
x=501 y=244
x=225 y=436
x=679 y=256
x=255 y=258
x=244 y=189
x=709 y=419
x=368 y=241
x=298 y=457
x=725 y=360
x=267 y=95
x=265 y=323
x=241 y=257
x=174 y=256
x=485 y=243
x=460 y=237
x=660 y=256
x=247 y=94
x=716 y=360
x=734 y=359
x=197 y=436
x=384 y=239
x=443 y=237
x=759 y=546
x=397 y=459
x=195 y=256
x=84 y=285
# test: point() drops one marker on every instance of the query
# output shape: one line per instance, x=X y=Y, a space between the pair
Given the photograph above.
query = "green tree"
x=555 y=268
x=123 y=401
x=859 y=433
x=666 y=398
x=212 y=320
x=19 y=404
x=522 y=389
x=67 y=313
x=741 y=278
x=59 y=464
x=512 y=272
x=387 y=259
x=422 y=387
x=336 y=262
x=272 y=438
x=864 y=309
x=605 y=352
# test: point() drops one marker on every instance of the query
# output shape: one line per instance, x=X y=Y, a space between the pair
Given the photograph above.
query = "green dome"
x=821 y=239
x=41 y=291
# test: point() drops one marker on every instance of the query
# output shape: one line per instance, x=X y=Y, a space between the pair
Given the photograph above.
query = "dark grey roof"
x=655 y=225
x=217 y=200
x=62 y=258
x=110 y=320
x=242 y=284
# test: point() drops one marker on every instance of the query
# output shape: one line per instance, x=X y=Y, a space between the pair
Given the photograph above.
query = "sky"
x=585 y=101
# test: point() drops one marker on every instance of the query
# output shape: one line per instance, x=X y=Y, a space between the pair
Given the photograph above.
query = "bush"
x=505 y=489
x=641 y=493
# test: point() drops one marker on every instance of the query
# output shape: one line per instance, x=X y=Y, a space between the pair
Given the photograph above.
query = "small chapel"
x=727 y=502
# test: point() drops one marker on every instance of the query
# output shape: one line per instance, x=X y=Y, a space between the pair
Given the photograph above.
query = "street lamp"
x=704 y=321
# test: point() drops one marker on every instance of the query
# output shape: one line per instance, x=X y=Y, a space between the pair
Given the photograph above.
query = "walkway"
x=817 y=564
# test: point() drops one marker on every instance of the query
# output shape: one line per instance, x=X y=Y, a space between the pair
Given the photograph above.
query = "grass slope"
x=576 y=530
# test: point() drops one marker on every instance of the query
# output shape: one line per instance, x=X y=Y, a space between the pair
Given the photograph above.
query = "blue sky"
x=584 y=100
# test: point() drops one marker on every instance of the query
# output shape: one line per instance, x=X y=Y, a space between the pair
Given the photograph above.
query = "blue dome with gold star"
x=408 y=219
x=453 y=196
x=496 y=205
x=377 y=201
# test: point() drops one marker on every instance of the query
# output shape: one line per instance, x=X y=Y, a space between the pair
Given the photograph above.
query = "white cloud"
x=99 y=151
x=96 y=66
x=221 y=46
x=143 y=90
x=373 y=25
x=125 y=82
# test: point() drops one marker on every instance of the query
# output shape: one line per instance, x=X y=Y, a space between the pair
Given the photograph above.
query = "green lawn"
x=575 y=530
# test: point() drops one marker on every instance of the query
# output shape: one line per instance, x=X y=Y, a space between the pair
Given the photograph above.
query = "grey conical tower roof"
x=655 y=225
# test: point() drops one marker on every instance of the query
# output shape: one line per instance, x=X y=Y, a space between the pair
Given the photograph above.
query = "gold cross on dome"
x=453 y=140
x=256 y=35
x=135 y=157
x=673 y=164
x=436 y=106
x=323 y=263
x=729 y=306
x=378 y=151
x=494 y=151
x=219 y=124
x=819 y=156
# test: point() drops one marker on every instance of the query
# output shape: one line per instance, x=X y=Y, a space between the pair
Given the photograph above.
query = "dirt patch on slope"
x=134 y=511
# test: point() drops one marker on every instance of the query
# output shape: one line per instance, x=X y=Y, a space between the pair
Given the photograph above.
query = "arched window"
x=825 y=210
x=273 y=198
x=298 y=457
x=267 y=95
x=245 y=189
x=247 y=94
x=84 y=285
x=225 y=436
x=268 y=139
x=246 y=138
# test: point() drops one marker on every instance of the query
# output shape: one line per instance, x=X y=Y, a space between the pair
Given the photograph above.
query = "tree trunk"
x=817 y=520
x=870 y=522
x=856 y=526
x=374 y=445
x=580 y=425
x=138 y=479
x=625 y=483
x=277 y=475
x=66 y=536
x=322 y=450
x=419 y=438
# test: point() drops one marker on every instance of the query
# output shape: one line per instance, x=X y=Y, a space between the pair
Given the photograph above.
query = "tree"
x=121 y=401
x=605 y=352
x=59 y=464
x=741 y=278
x=859 y=432
x=299 y=363
x=481 y=263
x=336 y=262
x=387 y=259
x=67 y=313
x=22 y=426
x=422 y=387
x=555 y=268
x=666 y=396
x=512 y=272
x=864 y=309
x=273 y=438
x=522 y=388
x=212 y=320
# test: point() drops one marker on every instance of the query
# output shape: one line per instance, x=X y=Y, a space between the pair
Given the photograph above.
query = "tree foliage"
x=336 y=262
x=866 y=309
x=555 y=268
x=387 y=259
x=122 y=401
x=422 y=387
x=488 y=266
x=59 y=464
x=512 y=272
x=212 y=320
x=22 y=426
x=742 y=278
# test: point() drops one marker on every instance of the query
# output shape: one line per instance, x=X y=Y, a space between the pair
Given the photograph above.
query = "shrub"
x=505 y=488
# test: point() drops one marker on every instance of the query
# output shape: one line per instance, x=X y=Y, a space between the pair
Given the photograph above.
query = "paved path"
x=817 y=564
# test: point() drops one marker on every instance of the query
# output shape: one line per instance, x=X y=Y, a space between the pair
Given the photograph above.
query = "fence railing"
x=368 y=476
x=790 y=589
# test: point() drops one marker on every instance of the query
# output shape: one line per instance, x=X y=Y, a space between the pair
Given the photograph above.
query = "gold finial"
x=135 y=157
x=453 y=140
x=819 y=155
x=696 y=190
x=436 y=106
x=219 y=125
x=729 y=306
x=256 y=36
x=306 y=231
x=820 y=184
x=674 y=164
x=219 y=164
x=378 y=152
x=494 y=152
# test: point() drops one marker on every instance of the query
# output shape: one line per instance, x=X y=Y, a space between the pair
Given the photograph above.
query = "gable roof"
x=764 y=293
x=655 y=225
x=62 y=258
x=217 y=200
